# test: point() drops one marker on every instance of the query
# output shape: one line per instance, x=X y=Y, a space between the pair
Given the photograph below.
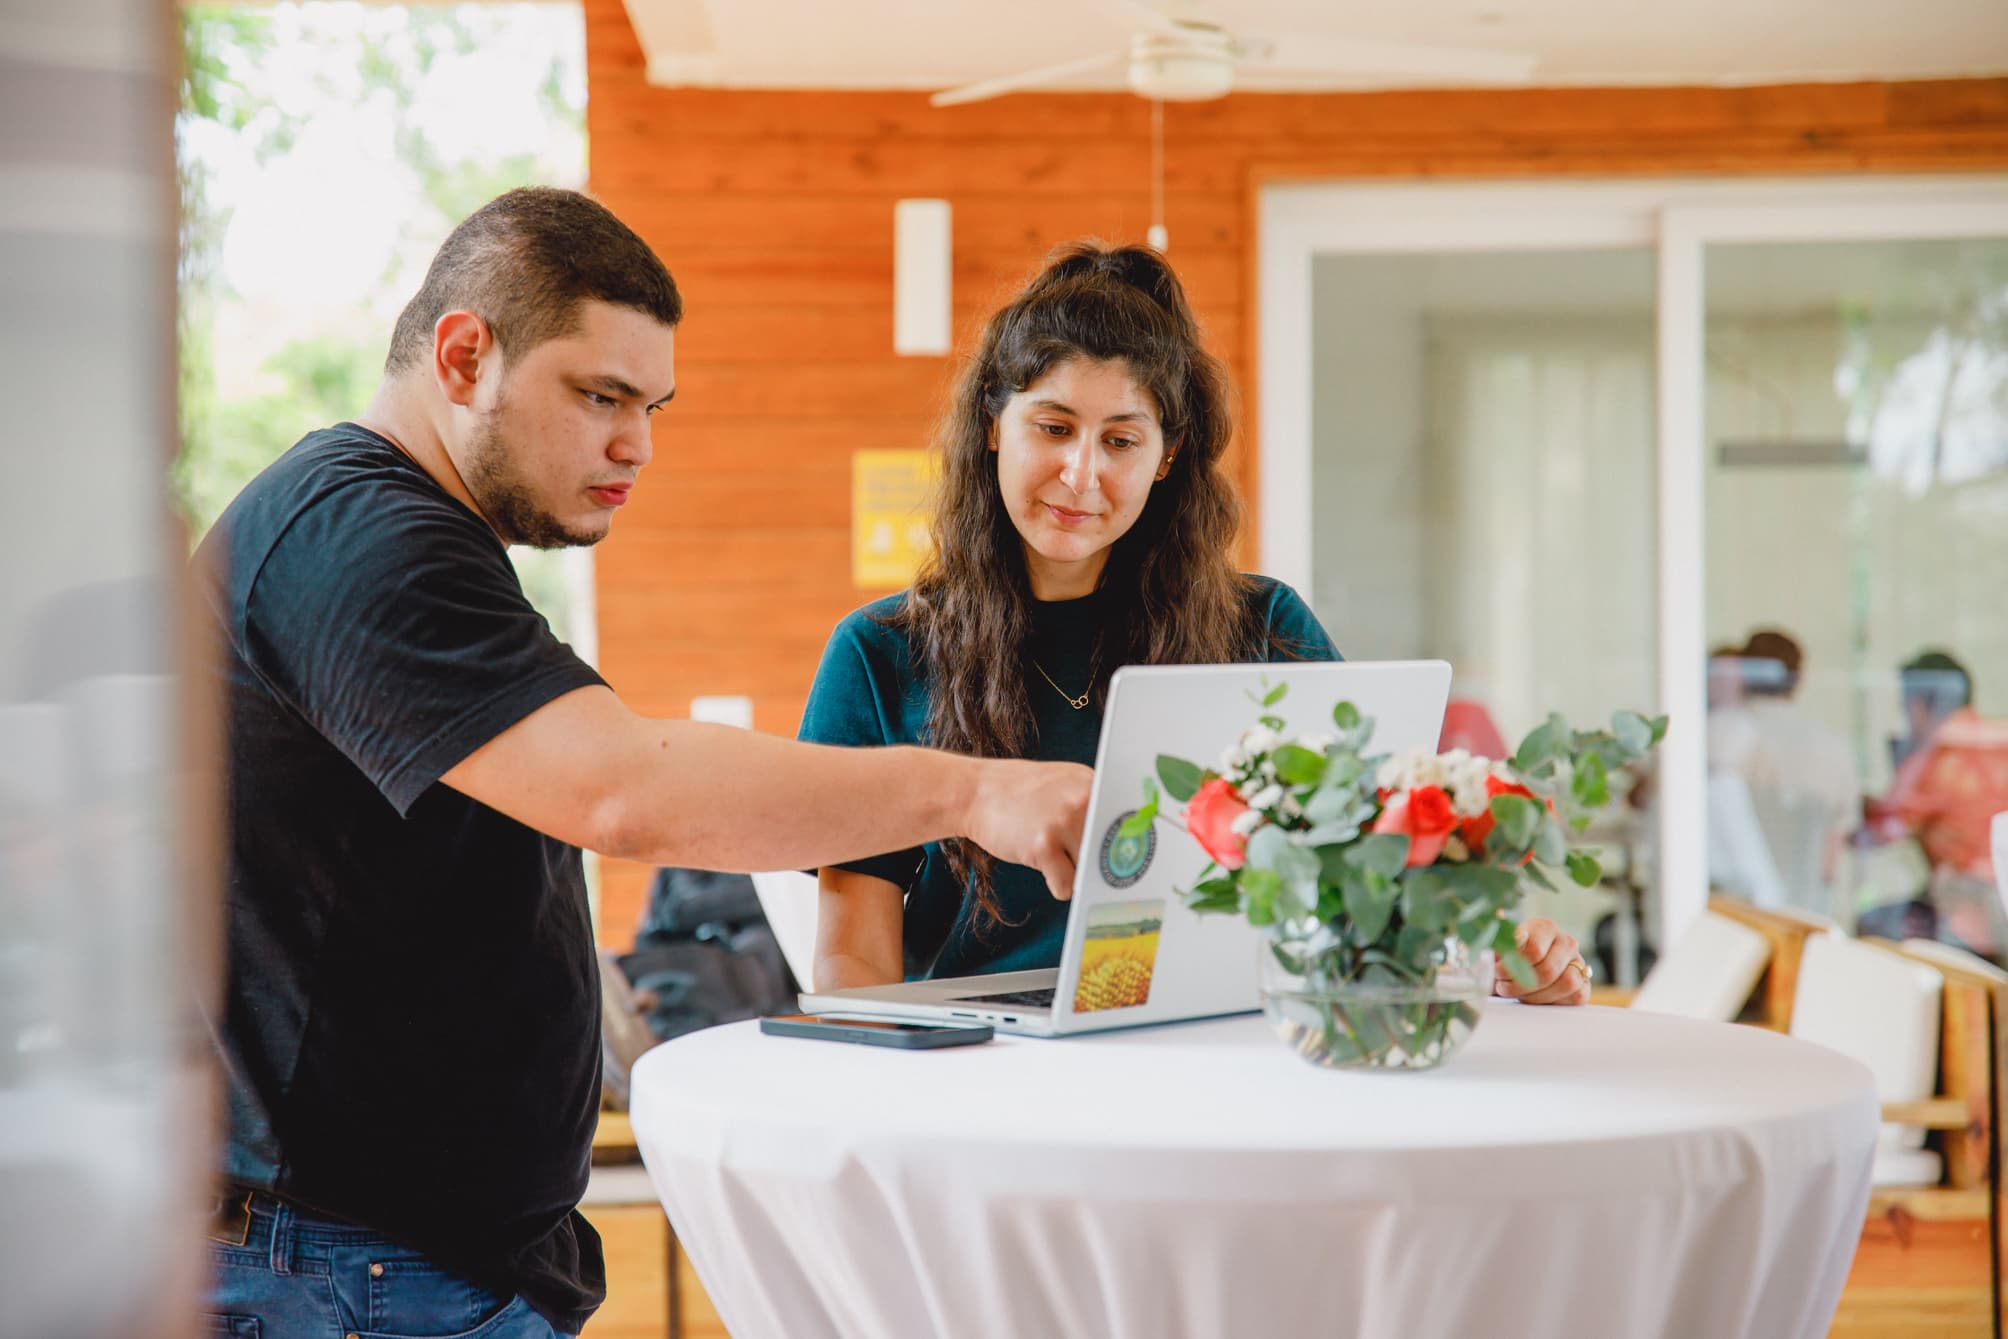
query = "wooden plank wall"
x=728 y=568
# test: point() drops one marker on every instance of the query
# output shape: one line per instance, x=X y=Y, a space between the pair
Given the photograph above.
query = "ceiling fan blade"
x=1311 y=52
x=1011 y=83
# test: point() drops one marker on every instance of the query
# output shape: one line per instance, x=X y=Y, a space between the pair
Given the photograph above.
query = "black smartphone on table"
x=877 y=1031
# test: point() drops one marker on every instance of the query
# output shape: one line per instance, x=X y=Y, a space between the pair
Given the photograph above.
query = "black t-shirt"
x=410 y=1033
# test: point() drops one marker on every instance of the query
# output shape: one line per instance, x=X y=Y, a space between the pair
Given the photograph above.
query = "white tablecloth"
x=1573 y=1174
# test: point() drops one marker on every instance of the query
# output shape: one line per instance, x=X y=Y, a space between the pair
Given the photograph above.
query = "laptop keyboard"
x=1023 y=999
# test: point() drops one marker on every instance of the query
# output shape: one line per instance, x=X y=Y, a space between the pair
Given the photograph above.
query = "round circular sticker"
x=1124 y=859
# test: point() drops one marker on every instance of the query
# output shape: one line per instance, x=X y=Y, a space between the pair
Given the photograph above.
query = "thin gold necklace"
x=1077 y=703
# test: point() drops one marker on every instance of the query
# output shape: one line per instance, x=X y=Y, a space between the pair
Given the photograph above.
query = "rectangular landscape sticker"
x=1119 y=955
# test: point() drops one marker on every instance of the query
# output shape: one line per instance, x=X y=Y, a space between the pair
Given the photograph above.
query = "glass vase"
x=1341 y=1023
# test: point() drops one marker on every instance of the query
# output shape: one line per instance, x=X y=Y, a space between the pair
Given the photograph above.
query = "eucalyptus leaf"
x=1266 y=846
x=1181 y=778
x=1393 y=964
x=1414 y=947
x=1632 y=732
x=1542 y=744
x=1343 y=769
x=1386 y=853
x=1369 y=903
x=1550 y=846
x=1517 y=819
x=1331 y=903
x=1346 y=716
x=1260 y=883
x=1426 y=901
x=1584 y=869
x=1589 y=783
x=1484 y=884
x=1275 y=695
x=1326 y=803
x=1207 y=902
x=1260 y=906
x=1518 y=967
x=1139 y=822
x=1299 y=868
x=1326 y=835
x=1333 y=863
x=1274 y=722
x=1298 y=766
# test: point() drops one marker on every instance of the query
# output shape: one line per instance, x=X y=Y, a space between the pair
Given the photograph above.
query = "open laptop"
x=1134 y=952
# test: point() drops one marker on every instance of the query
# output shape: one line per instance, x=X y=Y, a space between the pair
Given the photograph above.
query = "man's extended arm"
x=586 y=770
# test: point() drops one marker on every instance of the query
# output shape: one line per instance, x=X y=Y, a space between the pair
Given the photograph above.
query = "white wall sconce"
x=922 y=277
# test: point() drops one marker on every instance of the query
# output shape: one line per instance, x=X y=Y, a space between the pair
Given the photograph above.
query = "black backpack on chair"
x=705 y=954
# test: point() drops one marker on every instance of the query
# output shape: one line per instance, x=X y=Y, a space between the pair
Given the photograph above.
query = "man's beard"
x=504 y=497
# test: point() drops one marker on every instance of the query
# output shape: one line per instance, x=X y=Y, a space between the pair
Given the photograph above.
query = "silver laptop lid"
x=1134 y=953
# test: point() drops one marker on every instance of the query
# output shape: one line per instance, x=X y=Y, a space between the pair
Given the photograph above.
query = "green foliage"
x=233 y=92
x=1313 y=862
x=1181 y=779
x=319 y=381
x=1298 y=766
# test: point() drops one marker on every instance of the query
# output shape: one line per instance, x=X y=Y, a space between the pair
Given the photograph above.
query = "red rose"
x=1425 y=815
x=1209 y=817
x=1475 y=830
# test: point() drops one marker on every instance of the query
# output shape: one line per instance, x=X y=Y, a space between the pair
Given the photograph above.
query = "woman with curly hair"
x=1082 y=522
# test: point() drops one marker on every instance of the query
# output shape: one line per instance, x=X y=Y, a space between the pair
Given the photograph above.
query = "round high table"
x=1572 y=1174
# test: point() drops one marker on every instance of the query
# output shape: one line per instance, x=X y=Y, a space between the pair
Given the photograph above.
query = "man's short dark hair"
x=524 y=263
x=1771 y=661
x=1938 y=680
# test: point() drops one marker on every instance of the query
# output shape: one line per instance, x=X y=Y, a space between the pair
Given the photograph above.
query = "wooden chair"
x=1932 y=1259
x=1929 y=1266
x=1787 y=931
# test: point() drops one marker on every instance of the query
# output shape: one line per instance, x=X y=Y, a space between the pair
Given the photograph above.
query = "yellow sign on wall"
x=889 y=516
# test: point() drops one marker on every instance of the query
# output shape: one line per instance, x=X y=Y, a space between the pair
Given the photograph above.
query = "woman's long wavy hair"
x=1172 y=591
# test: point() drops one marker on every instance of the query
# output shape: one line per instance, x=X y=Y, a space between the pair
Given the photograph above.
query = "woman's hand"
x=1560 y=974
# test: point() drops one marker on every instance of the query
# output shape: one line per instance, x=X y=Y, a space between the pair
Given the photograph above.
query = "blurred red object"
x=1947 y=793
x=1468 y=725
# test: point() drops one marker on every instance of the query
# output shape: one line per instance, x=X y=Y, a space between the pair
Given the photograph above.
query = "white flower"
x=1266 y=797
x=1231 y=759
x=1316 y=743
x=1469 y=799
x=1290 y=807
x=1258 y=739
x=1246 y=821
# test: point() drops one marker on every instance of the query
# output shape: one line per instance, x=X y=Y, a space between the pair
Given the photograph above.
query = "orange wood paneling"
x=774 y=211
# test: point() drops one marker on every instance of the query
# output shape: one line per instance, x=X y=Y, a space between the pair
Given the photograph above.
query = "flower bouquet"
x=1385 y=884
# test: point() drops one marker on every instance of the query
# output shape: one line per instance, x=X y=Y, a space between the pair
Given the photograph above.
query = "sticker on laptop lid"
x=1118 y=955
x=1124 y=859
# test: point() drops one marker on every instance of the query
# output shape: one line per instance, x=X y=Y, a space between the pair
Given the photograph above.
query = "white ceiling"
x=932 y=44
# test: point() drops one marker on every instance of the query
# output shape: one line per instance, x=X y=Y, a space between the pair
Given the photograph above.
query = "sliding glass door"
x=1575 y=438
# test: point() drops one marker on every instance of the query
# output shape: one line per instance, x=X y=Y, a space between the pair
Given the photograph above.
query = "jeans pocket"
x=392 y=1293
x=230 y=1327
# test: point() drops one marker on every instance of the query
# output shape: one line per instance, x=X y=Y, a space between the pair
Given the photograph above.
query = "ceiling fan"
x=1190 y=57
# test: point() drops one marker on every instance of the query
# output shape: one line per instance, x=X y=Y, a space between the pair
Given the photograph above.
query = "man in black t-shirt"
x=409 y=1033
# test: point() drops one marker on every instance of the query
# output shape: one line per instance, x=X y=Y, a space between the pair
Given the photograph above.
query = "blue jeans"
x=296 y=1276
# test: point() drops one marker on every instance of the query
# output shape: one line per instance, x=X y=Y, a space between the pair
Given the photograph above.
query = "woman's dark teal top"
x=870 y=691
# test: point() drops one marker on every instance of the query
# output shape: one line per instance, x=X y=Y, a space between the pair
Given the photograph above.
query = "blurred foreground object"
x=105 y=923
